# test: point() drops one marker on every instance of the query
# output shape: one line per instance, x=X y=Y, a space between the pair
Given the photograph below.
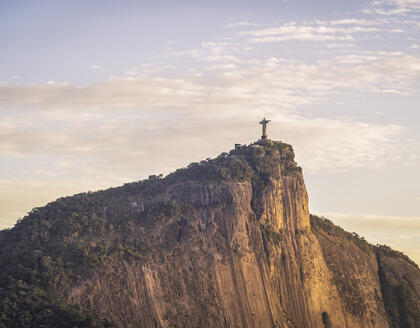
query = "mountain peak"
x=264 y=157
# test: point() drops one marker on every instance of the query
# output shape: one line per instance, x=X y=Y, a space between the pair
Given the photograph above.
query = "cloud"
x=356 y=21
x=131 y=72
x=346 y=29
x=345 y=143
x=228 y=67
x=241 y=24
x=341 y=45
x=292 y=31
x=95 y=67
x=349 y=21
x=273 y=81
x=157 y=115
x=393 y=7
x=302 y=37
x=214 y=51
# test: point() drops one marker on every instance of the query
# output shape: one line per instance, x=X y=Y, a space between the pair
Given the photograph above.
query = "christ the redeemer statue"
x=264 y=129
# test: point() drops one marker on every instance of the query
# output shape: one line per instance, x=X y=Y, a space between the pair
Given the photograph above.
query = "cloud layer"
x=107 y=119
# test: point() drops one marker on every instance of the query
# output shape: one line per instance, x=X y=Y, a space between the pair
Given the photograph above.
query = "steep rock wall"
x=246 y=258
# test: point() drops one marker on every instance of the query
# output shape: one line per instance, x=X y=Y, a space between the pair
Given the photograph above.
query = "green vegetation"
x=271 y=235
x=341 y=259
x=399 y=296
x=54 y=246
x=321 y=223
x=22 y=305
x=261 y=159
x=388 y=251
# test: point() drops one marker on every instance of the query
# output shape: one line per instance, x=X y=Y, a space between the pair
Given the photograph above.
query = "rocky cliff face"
x=227 y=242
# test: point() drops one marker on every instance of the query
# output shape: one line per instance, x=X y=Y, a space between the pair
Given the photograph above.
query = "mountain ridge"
x=222 y=243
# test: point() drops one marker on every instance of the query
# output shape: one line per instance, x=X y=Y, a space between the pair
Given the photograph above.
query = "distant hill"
x=227 y=242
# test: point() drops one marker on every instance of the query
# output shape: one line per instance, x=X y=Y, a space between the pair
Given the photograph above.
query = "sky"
x=95 y=94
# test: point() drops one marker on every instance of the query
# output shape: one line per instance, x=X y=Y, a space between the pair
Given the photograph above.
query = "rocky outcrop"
x=230 y=243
